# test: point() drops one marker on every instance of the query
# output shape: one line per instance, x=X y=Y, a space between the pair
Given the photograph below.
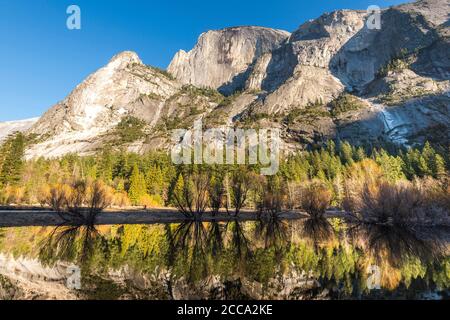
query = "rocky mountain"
x=81 y=122
x=333 y=77
x=9 y=127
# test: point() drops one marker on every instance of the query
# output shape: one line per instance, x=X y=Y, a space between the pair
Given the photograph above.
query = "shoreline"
x=43 y=217
x=46 y=218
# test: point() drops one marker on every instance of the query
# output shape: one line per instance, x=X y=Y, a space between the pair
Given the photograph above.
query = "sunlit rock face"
x=297 y=72
x=221 y=58
x=100 y=100
x=125 y=86
x=313 y=44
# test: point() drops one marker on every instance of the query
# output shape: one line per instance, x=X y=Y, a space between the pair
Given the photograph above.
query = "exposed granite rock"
x=404 y=30
x=297 y=72
x=221 y=59
x=123 y=87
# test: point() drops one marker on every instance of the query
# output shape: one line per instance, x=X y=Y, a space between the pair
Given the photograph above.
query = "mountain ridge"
x=332 y=78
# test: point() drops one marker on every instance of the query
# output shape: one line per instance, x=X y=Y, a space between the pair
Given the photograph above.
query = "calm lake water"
x=271 y=259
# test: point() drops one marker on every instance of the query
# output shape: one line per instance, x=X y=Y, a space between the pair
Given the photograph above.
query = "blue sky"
x=41 y=61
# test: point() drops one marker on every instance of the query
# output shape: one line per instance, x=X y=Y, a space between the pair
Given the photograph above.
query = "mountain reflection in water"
x=266 y=259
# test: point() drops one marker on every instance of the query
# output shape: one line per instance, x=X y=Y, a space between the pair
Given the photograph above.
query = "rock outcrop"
x=413 y=28
x=221 y=59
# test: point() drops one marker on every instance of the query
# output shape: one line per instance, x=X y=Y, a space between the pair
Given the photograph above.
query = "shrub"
x=121 y=199
x=206 y=92
x=315 y=198
x=308 y=114
x=57 y=196
x=394 y=65
x=436 y=196
x=361 y=174
x=393 y=203
x=163 y=72
x=12 y=195
x=99 y=196
x=151 y=201
x=252 y=118
x=274 y=197
x=216 y=195
x=242 y=181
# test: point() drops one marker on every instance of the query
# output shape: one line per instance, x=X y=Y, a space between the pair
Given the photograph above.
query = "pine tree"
x=154 y=179
x=411 y=166
x=331 y=148
x=392 y=166
x=439 y=168
x=13 y=153
x=105 y=168
x=346 y=153
x=121 y=168
x=428 y=152
x=423 y=169
x=137 y=186
x=360 y=154
x=120 y=185
x=428 y=157
x=178 y=191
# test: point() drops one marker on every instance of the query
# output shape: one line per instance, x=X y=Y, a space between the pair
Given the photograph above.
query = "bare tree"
x=241 y=184
x=191 y=196
x=216 y=196
x=80 y=202
x=399 y=203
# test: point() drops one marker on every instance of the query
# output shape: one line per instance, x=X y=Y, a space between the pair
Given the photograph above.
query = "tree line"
x=333 y=175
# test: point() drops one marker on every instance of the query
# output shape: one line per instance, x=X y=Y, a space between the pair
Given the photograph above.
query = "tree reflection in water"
x=394 y=243
x=70 y=243
x=239 y=241
x=273 y=231
x=196 y=248
x=259 y=251
x=215 y=238
x=189 y=243
x=317 y=229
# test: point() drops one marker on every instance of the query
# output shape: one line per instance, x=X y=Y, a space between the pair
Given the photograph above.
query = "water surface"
x=269 y=259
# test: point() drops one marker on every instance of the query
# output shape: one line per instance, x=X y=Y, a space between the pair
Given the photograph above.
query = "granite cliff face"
x=331 y=78
x=221 y=59
x=298 y=72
